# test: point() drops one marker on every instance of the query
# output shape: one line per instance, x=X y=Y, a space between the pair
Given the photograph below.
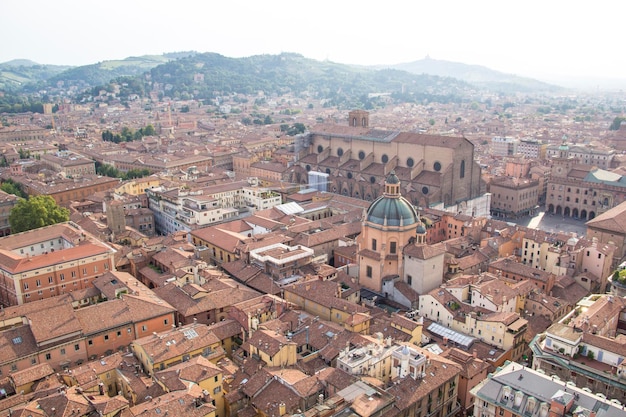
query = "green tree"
x=23 y=154
x=38 y=211
x=149 y=131
x=617 y=122
x=11 y=187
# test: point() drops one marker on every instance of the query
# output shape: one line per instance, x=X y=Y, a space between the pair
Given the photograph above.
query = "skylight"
x=190 y=333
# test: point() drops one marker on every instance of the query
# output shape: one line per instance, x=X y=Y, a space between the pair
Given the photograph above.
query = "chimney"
x=474 y=353
x=282 y=409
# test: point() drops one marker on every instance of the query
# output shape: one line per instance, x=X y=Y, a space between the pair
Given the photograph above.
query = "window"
x=62 y=351
x=90 y=342
x=368 y=271
x=62 y=277
x=119 y=333
x=73 y=274
x=373 y=244
x=462 y=173
x=392 y=247
x=166 y=322
x=76 y=347
x=409 y=279
x=26 y=285
x=144 y=328
x=48 y=356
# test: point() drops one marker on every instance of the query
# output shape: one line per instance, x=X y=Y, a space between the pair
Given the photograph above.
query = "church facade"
x=433 y=169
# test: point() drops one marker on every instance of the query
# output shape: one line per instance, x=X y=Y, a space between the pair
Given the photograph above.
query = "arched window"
x=462 y=175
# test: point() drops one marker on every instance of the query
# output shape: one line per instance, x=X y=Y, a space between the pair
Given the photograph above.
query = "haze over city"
x=545 y=40
x=319 y=221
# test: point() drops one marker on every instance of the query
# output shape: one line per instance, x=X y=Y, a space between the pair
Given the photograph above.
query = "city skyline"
x=540 y=40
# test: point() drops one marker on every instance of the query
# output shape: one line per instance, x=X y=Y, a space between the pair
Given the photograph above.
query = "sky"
x=536 y=38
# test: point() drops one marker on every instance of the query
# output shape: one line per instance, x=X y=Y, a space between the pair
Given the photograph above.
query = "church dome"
x=391 y=209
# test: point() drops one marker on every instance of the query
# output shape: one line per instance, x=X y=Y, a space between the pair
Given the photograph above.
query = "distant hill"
x=26 y=75
x=207 y=75
x=204 y=76
x=105 y=71
x=477 y=75
x=18 y=73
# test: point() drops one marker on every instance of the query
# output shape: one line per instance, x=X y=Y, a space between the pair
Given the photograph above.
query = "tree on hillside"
x=38 y=211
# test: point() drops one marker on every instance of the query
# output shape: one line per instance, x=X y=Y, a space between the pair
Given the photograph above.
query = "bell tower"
x=562 y=163
x=359 y=118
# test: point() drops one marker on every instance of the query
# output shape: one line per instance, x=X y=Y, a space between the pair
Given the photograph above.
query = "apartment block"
x=50 y=261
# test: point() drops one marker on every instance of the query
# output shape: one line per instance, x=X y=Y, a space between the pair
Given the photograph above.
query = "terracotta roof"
x=15 y=264
x=268 y=399
x=408 y=391
x=324 y=293
x=218 y=237
x=424 y=251
x=54 y=323
x=177 y=342
x=269 y=342
x=32 y=374
x=134 y=308
x=613 y=220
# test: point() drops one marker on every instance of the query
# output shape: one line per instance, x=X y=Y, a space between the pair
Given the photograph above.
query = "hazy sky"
x=532 y=37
